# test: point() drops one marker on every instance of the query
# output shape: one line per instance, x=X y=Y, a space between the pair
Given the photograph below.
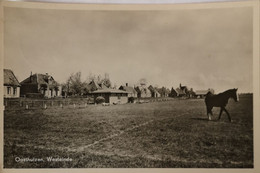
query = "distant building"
x=154 y=92
x=180 y=93
x=130 y=90
x=111 y=95
x=143 y=91
x=164 y=92
x=40 y=85
x=202 y=93
x=173 y=93
x=11 y=85
x=184 y=91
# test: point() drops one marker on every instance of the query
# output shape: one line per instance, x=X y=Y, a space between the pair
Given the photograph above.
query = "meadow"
x=169 y=134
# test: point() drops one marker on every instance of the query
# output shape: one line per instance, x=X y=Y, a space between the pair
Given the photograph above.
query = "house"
x=180 y=93
x=173 y=93
x=203 y=93
x=184 y=88
x=11 y=85
x=40 y=85
x=143 y=91
x=111 y=95
x=154 y=91
x=130 y=90
x=164 y=92
x=184 y=91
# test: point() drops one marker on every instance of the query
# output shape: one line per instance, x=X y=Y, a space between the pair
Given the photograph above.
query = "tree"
x=142 y=81
x=100 y=80
x=106 y=81
x=74 y=85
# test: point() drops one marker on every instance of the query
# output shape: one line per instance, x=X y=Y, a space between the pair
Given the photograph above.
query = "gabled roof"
x=142 y=89
x=39 y=79
x=153 y=90
x=109 y=90
x=10 y=79
x=94 y=86
x=102 y=85
x=128 y=89
x=179 y=91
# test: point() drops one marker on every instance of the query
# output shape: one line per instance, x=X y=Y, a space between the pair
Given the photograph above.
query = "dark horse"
x=220 y=100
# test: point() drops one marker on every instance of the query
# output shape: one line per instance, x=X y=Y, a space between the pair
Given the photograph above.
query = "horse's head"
x=235 y=94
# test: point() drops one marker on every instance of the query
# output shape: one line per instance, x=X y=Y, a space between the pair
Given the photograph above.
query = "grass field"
x=170 y=134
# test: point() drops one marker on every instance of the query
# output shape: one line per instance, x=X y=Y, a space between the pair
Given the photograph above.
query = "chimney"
x=180 y=85
x=126 y=84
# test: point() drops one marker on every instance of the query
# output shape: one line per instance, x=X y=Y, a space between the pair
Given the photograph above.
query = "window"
x=8 y=90
x=14 y=91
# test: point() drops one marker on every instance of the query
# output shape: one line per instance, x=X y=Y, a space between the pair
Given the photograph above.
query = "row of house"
x=44 y=85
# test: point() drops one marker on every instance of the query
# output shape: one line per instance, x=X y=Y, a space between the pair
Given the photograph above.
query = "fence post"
x=26 y=106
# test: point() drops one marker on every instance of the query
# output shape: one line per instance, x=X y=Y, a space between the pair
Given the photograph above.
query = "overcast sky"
x=202 y=49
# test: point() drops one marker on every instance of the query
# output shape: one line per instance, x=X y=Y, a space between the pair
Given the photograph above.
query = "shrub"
x=131 y=100
x=100 y=99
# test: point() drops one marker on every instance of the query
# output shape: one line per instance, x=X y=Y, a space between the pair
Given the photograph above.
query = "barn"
x=111 y=95
x=11 y=85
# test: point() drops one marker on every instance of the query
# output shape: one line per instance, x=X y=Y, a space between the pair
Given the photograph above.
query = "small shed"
x=111 y=95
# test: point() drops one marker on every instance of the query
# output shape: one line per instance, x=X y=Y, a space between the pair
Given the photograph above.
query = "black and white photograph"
x=117 y=86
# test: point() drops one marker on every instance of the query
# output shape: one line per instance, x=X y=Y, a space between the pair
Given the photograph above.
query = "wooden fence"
x=21 y=103
x=26 y=103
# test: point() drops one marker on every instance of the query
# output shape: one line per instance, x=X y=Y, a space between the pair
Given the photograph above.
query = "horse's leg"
x=209 y=112
x=227 y=114
x=221 y=110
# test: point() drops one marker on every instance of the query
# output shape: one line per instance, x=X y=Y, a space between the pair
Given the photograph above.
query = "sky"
x=202 y=48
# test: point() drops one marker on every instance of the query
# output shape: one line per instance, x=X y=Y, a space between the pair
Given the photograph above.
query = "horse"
x=220 y=100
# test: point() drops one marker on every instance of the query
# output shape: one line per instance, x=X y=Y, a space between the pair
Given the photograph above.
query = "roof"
x=9 y=78
x=102 y=85
x=201 y=92
x=41 y=79
x=128 y=89
x=153 y=90
x=93 y=85
x=179 y=91
x=109 y=90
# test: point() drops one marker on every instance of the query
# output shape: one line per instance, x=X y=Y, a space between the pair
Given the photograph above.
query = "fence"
x=29 y=103
x=22 y=103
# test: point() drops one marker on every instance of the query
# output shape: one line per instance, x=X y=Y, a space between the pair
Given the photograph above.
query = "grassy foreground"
x=152 y=135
